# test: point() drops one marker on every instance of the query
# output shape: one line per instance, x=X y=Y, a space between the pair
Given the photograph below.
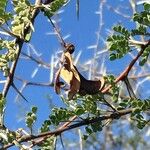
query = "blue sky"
x=82 y=34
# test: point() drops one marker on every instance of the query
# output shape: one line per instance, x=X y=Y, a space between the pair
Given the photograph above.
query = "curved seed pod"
x=69 y=73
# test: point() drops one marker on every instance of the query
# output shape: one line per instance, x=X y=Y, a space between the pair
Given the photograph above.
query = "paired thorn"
x=16 y=89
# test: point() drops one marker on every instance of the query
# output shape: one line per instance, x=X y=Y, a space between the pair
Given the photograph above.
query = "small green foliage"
x=31 y=117
x=112 y=56
x=7 y=136
x=118 y=43
x=2 y=103
x=22 y=19
x=97 y=126
x=88 y=130
x=138 y=104
x=8 y=56
x=34 y=109
x=110 y=80
x=48 y=144
x=147 y=7
x=45 y=126
x=11 y=136
x=141 y=30
x=93 y=128
x=85 y=137
x=144 y=56
x=124 y=104
x=89 y=104
x=2 y=108
x=143 y=17
x=79 y=110
x=122 y=30
x=139 y=107
x=54 y=6
x=60 y=114
x=4 y=16
x=141 y=124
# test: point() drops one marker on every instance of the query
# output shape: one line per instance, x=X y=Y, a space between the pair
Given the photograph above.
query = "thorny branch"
x=18 y=42
x=67 y=126
x=125 y=73
x=122 y=75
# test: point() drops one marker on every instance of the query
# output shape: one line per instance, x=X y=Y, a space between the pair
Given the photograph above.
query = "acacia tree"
x=94 y=106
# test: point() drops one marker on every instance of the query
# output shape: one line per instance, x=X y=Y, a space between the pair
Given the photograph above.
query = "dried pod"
x=69 y=73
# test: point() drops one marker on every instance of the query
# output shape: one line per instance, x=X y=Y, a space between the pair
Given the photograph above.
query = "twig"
x=111 y=106
x=18 y=42
x=128 y=68
x=63 y=44
x=14 y=86
x=61 y=140
x=105 y=90
x=62 y=129
x=55 y=142
x=67 y=125
x=9 y=32
x=129 y=88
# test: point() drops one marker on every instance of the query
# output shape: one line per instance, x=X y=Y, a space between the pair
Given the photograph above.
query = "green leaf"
x=142 y=62
x=53 y=119
x=88 y=130
x=97 y=126
x=34 y=109
x=28 y=36
x=139 y=117
x=141 y=124
x=45 y=126
x=123 y=104
x=122 y=30
x=144 y=56
x=140 y=104
x=137 y=110
x=142 y=17
x=4 y=16
x=112 y=56
x=85 y=137
x=31 y=117
x=134 y=103
x=2 y=103
x=22 y=19
x=147 y=6
x=79 y=110
x=141 y=30
x=54 y=7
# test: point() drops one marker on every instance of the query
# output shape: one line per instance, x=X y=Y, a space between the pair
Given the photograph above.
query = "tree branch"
x=128 y=68
x=62 y=129
x=105 y=90
x=18 y=42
